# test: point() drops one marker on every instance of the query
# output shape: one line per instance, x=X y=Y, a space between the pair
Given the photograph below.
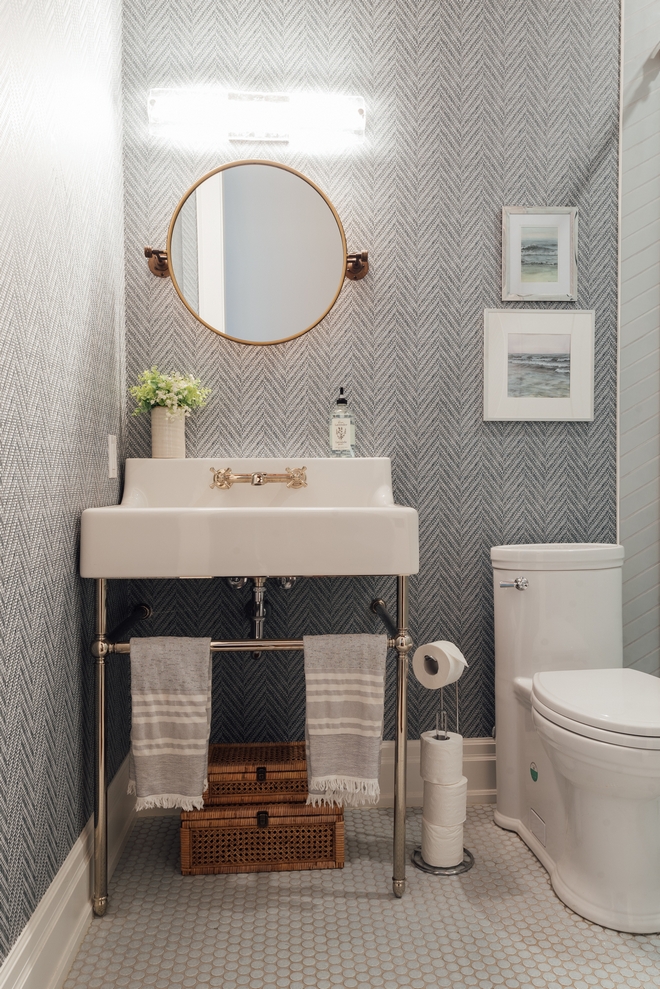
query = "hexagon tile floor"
x=498 y=925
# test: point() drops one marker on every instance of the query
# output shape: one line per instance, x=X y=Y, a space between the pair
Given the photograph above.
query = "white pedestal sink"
x=173 y=523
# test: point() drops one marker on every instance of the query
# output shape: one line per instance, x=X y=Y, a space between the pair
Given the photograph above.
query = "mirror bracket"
x=357 y=265
x=158 y=264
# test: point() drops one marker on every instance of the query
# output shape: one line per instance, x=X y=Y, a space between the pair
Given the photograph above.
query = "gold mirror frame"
x=286 y=168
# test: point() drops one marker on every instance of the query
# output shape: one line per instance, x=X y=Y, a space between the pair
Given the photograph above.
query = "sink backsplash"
x=365 y=482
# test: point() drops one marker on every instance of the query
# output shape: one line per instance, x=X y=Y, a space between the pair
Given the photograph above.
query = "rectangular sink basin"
x=173 y=523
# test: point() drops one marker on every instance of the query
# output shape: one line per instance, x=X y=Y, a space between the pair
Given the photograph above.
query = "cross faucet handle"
x=222 y=478
x=297 y=477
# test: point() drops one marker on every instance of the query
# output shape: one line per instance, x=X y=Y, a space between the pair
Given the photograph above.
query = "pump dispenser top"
x=342 y=428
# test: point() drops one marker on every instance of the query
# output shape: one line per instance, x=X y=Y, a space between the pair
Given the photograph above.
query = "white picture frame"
x=539 y=253
x=539 y=364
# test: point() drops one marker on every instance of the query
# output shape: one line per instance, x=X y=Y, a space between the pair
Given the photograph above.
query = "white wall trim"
x=638 y=418
x=44 y=952
x=622 y=20
x=478 y=766
x=121 y=817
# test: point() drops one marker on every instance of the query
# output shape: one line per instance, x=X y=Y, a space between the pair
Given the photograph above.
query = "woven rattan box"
x=263 y=773
x=261 y=838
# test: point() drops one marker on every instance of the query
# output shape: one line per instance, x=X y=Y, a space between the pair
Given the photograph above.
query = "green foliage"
x=173 y=391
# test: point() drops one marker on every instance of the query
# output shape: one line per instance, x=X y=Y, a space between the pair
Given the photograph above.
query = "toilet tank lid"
x=621 y=700
x=557 y=556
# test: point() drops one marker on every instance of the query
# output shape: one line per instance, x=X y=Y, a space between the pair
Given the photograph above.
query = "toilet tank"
x=569 y=615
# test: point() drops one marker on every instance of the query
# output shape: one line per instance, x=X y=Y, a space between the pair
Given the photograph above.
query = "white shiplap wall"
x=640 y=335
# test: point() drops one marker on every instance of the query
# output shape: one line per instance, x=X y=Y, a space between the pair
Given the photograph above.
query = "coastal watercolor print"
x=539 y=365
x=539 y=254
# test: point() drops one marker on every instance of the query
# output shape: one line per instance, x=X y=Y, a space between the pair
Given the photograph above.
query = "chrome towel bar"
x=239 y=645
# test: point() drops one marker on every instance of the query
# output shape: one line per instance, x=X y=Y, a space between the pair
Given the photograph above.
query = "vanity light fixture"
x=309 y=121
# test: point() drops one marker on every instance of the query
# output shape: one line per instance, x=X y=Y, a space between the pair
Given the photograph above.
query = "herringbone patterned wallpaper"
x=472 y=104
x=61 y=366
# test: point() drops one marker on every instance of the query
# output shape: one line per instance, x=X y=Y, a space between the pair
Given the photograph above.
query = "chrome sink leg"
x=403 y=645
x=99 y=650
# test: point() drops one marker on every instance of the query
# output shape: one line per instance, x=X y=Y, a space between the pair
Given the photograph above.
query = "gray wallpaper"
x=61 y=357
x=472 y=104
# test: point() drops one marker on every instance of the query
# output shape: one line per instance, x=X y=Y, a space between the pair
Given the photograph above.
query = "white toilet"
x=578 y=736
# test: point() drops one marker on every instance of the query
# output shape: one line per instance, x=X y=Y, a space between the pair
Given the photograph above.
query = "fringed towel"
x=171 y=705
x=345 y=684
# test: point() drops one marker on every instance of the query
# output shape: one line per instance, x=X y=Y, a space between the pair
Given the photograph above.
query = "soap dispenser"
x=342 y=428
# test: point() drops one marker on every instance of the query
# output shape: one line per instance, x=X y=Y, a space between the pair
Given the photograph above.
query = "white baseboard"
x=121 y=817
x=45 y=950
x=478 y=766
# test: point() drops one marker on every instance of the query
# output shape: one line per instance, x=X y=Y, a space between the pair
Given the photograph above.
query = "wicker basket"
x=262 y=838
x=267 y=772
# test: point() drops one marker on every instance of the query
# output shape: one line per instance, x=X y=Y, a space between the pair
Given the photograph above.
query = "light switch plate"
x=112 y=456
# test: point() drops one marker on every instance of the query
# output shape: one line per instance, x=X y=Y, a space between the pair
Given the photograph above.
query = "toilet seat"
x=600 y=734
x=617 y=706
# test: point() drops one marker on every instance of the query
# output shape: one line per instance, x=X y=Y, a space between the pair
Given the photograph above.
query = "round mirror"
x=257 y=252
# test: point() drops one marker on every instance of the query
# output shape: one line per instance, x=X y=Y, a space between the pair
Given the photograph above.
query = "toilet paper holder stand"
x=468 y=858
x=439 y=870
x=441 y=724
x=379 y=608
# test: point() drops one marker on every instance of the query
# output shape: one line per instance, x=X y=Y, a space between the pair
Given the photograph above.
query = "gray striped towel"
x=171 y=706
x=345 y=685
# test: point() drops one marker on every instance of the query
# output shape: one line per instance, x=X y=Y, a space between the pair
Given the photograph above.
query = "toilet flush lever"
x=520 y=583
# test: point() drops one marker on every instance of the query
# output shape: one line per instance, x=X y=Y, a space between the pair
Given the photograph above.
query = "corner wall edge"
x=48 y=944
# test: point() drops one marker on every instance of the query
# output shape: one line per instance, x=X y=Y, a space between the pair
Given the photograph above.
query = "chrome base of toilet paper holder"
x=438 y=870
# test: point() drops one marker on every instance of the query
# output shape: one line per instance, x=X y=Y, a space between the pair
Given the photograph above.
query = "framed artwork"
x=538 y=364
x=539 y=253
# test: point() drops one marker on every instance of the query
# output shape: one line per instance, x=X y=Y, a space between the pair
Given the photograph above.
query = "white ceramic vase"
x=168 y=433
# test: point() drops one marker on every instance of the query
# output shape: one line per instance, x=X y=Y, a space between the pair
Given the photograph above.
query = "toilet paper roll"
x=442 y=846
x=441 y=759
x=445 y=805
x=435 y=664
